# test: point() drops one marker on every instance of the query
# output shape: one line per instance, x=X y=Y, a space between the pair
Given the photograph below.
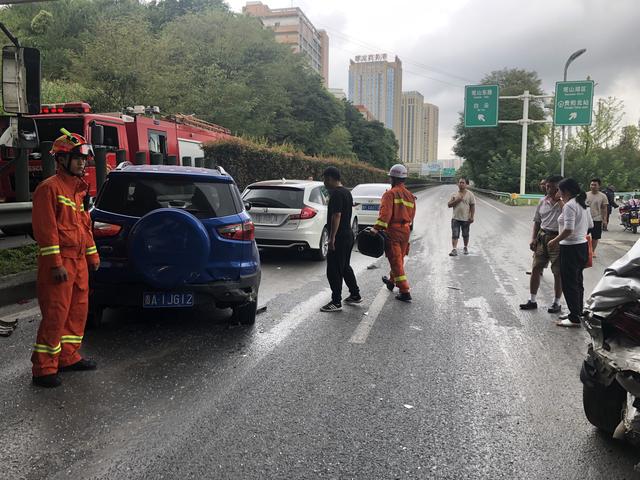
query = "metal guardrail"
x=15 y=214
x=508 y=196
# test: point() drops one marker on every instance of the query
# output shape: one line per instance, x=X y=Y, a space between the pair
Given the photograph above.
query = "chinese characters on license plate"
x=167 y=300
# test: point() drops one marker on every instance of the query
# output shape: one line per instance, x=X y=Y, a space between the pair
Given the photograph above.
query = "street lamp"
x=563 y=143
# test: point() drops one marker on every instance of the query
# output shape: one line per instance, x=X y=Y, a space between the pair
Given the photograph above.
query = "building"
x=368 y=116
x=430 y=143
x=338 y=93
x=377 y=84
x=292 y=27
x=412 y=130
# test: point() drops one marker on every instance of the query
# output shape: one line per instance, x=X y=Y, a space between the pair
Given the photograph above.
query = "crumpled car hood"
x=619 y=285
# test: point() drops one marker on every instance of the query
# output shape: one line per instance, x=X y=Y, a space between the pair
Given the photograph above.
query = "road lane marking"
x=21 y=315
x=369 y=318
x=492 y=206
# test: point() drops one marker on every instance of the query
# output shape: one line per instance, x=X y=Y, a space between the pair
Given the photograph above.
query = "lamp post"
x=563 y=142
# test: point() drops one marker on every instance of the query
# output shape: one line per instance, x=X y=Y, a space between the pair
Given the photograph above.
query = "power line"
x=350 y=39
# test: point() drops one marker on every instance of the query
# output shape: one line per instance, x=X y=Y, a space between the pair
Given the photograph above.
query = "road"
x=460 y=384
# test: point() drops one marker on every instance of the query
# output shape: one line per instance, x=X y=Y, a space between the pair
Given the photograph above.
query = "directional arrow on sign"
x=573 y=115
x=481 y=118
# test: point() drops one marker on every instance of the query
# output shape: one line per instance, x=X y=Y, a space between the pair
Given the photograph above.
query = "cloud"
x=446 y=44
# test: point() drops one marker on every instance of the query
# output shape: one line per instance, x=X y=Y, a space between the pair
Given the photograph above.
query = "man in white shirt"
x=598 y=203
x=545 y=229
x=464 y=209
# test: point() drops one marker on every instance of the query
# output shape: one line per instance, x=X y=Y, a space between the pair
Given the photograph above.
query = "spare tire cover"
x=169 y=247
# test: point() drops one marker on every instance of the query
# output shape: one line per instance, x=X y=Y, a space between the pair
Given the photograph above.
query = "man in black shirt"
x=340 y=242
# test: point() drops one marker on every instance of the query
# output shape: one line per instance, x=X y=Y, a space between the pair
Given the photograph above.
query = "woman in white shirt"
x=573 y=224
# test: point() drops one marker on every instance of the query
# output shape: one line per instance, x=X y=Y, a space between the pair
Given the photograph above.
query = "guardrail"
x=511 y=197
x=15 y=214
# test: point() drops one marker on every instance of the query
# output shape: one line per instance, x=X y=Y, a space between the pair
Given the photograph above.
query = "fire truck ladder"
x=192 y=121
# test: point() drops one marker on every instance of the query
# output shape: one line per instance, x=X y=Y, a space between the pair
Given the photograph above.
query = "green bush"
x=249 y=162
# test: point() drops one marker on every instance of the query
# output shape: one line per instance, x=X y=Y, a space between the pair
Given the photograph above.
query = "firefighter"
x=397 y=211
x=62 y=228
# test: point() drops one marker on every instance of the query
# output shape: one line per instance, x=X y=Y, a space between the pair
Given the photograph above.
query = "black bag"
x=371 y=245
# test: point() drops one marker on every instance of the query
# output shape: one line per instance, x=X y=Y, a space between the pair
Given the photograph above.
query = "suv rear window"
x=275 y=197
x=138 y=196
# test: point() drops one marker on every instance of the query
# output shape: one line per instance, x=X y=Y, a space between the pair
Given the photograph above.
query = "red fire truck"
x=138 y=130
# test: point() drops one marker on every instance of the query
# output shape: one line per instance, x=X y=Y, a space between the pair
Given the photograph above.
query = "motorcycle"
x=629 y=215
x=611 y=371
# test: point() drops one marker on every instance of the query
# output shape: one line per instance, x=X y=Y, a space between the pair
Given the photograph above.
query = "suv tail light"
x=305 y=214
x=239 y=231
x=105 y=230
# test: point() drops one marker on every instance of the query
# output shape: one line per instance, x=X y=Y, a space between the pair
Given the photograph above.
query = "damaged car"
x=611 y=372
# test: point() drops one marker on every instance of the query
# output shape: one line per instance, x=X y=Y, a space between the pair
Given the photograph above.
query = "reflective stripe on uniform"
x=381 y=223
x=92 y=250
x=400 y=201
x=51 y=250
x=401 y=278
x=70 y=339
x=41 y=348
x=66 y=201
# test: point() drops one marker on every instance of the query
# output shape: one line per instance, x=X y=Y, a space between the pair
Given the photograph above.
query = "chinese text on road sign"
x=481 y=105
x=574 y=103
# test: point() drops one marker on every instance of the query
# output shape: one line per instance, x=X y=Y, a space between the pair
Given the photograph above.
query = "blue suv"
x=173 y=237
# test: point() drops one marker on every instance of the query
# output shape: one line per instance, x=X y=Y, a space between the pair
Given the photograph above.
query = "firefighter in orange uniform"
x=62 y=228
x=397 y=211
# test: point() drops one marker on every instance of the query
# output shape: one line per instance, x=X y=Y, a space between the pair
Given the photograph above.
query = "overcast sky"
x=445 y=44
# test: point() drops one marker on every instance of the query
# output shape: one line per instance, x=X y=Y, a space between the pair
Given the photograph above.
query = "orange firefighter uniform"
x=62 y=229
x=397 y=211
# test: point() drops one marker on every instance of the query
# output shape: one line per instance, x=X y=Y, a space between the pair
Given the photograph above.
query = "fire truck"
x=138 y=131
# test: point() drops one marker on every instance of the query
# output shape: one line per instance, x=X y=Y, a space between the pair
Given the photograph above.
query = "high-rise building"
x=430 y=144
x=292 y=27
x=412 y=131
x=377 y=84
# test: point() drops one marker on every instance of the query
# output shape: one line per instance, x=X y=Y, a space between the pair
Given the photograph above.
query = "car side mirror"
x=247 y=206
x=97 y=134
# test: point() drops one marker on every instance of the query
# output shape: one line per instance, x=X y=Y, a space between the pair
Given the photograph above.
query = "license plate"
x=371 y=207
x=167 y=300
x=635 y=220
x=266 y=218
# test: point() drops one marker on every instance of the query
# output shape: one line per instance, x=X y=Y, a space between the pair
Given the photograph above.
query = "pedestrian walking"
x=464 y=208
x=545 y=229
x=62 y=229
x=397 y=212
x=341 y=241
x=573 y=223
x=610 y=192
x=598 y=203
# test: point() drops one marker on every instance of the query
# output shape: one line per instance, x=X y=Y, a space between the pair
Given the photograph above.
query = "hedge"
x=249 y=162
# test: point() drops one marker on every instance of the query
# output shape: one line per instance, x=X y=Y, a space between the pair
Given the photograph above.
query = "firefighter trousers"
x=64 y=308
x=396 y=251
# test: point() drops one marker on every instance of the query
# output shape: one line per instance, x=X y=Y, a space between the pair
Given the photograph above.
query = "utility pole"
x=563 y=141
x=525 y=122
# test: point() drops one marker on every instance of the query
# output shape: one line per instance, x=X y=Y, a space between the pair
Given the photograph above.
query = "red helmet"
x=71 y=143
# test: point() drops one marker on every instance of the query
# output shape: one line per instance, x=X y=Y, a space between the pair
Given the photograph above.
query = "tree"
x=338 y=143
x=479 y=146
x=605 y=127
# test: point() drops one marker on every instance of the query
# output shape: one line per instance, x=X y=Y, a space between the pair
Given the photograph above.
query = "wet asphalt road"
x=460 y=384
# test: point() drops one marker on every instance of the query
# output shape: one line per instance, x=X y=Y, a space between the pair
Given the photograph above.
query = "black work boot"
x=389 y=283
x=47 y=381
x=80 y=366
x=404 y=297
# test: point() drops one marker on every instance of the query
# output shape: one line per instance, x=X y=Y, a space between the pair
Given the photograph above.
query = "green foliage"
x=248 y=162
x=19 y=259
x=193 y=56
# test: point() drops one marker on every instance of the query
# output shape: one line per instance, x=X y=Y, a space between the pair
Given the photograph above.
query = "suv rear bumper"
x=222 y=294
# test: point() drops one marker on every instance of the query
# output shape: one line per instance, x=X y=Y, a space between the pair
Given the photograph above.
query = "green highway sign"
x=448 y=172
x=574 y=103
x=481 y=105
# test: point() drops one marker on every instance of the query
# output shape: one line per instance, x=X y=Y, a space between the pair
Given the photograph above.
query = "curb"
x=16 y=287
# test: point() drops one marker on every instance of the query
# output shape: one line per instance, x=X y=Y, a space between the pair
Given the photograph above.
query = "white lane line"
x=492 y=206
x=366 y=324
x=21 y=315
